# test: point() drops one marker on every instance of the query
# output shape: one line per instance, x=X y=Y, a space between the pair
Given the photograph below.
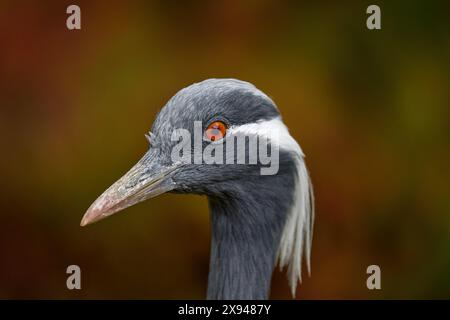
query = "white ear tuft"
x=297 y=235
x=296 y=239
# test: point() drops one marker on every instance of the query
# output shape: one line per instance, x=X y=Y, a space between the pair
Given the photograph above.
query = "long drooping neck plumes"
x=246 y=229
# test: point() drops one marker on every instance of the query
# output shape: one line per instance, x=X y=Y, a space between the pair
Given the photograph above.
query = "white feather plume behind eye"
x=296 y=239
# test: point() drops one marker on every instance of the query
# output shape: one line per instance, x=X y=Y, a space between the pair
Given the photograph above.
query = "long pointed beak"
x=147 y=179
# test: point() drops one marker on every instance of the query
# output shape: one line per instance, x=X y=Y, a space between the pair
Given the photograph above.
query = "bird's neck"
x=246 y=231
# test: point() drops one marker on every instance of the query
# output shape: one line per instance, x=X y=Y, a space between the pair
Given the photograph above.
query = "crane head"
x=223 y=138
x=198 y=121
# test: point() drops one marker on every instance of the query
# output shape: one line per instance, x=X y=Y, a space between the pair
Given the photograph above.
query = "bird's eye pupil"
x=216 y=131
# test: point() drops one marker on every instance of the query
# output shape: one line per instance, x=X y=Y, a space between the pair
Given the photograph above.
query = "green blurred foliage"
x=371 y=110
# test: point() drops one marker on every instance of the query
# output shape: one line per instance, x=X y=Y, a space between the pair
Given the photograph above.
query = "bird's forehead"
x=215 y=88
x=236 y=101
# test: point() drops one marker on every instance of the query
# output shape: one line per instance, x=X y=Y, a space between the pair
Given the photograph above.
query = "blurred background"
x=371 y=110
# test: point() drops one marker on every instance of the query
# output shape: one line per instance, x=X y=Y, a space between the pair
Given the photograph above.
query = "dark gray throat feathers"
x=246 y=229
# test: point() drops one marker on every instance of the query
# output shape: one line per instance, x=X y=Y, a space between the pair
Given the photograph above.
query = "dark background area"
x=370 y=109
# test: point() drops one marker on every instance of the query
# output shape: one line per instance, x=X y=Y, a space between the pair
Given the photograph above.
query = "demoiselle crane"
x=262 y=212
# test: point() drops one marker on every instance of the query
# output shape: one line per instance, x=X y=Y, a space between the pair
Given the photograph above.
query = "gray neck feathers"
x=246 y=230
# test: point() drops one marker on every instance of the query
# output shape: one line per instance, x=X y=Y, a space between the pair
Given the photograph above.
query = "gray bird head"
x=245 y=112
x=237 y=104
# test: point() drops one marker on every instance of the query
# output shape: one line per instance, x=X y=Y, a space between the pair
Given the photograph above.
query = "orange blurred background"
x=371 y=110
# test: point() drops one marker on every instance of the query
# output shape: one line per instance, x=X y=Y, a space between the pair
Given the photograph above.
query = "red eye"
x=216 y=131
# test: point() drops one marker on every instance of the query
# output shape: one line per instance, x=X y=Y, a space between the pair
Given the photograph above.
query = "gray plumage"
x=255 y=218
